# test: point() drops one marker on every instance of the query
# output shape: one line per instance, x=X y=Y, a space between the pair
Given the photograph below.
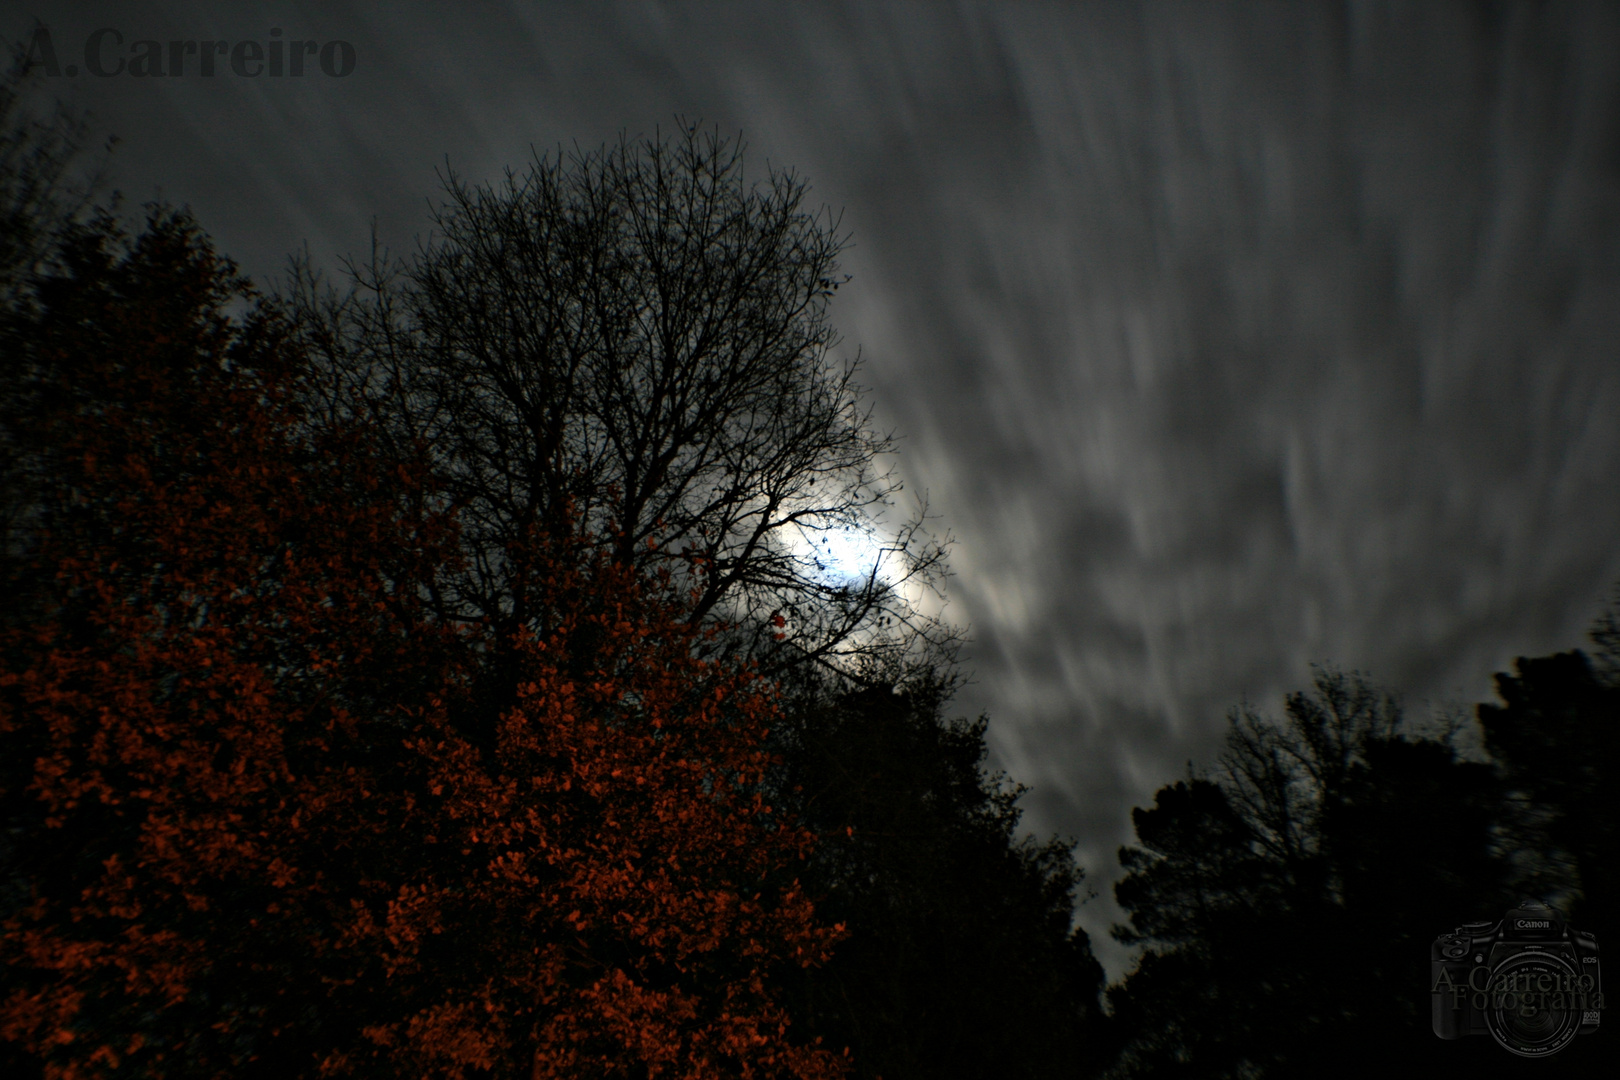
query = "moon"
x=846 y=555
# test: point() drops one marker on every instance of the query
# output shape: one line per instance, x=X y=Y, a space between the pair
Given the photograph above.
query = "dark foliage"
x=1556 y=736
x=40 y=199
x=961 y=959
x=243 y=835
x=1288 y=903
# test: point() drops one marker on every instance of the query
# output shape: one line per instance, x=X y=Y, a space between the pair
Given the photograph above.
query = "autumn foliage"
x=258 y=818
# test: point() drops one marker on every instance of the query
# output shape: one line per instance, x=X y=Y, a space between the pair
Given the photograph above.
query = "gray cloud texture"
x=1224 y=338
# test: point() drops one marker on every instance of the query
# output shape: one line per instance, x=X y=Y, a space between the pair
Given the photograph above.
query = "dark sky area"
x=1225 y=339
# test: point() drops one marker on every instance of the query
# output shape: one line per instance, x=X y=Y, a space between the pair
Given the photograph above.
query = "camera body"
x=1531 y=981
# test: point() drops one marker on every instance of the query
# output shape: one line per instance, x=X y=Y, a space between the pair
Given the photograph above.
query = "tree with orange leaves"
x=609 y=857
x=257 y=822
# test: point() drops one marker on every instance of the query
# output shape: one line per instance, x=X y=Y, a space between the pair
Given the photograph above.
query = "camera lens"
x=1531 y=999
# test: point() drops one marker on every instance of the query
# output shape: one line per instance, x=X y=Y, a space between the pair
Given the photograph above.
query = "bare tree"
x=1285 y=778
x=636 y=339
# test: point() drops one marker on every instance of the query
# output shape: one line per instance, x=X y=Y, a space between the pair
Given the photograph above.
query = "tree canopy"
x=962 y=958
x=1286 y=900
x=1556 y=738
x=247 y=833
x=640 y=333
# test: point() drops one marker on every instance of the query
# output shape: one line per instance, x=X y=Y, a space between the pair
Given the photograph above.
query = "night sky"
x=1223 y=339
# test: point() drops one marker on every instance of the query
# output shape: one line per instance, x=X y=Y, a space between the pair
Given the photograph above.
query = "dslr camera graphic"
x=1530 y=981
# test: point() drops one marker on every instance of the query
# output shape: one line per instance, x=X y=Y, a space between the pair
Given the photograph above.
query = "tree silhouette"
x=1202 y=899
x=961 y=959
x=1554 y=742
x=38 y=199
x=1287 y=902
x=246 y=832
x=1557 y=741
x=640 y=334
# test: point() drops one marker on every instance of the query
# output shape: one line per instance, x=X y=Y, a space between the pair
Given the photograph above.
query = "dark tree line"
x=1286 y=900
x=1556 y=736
x=962 y=959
